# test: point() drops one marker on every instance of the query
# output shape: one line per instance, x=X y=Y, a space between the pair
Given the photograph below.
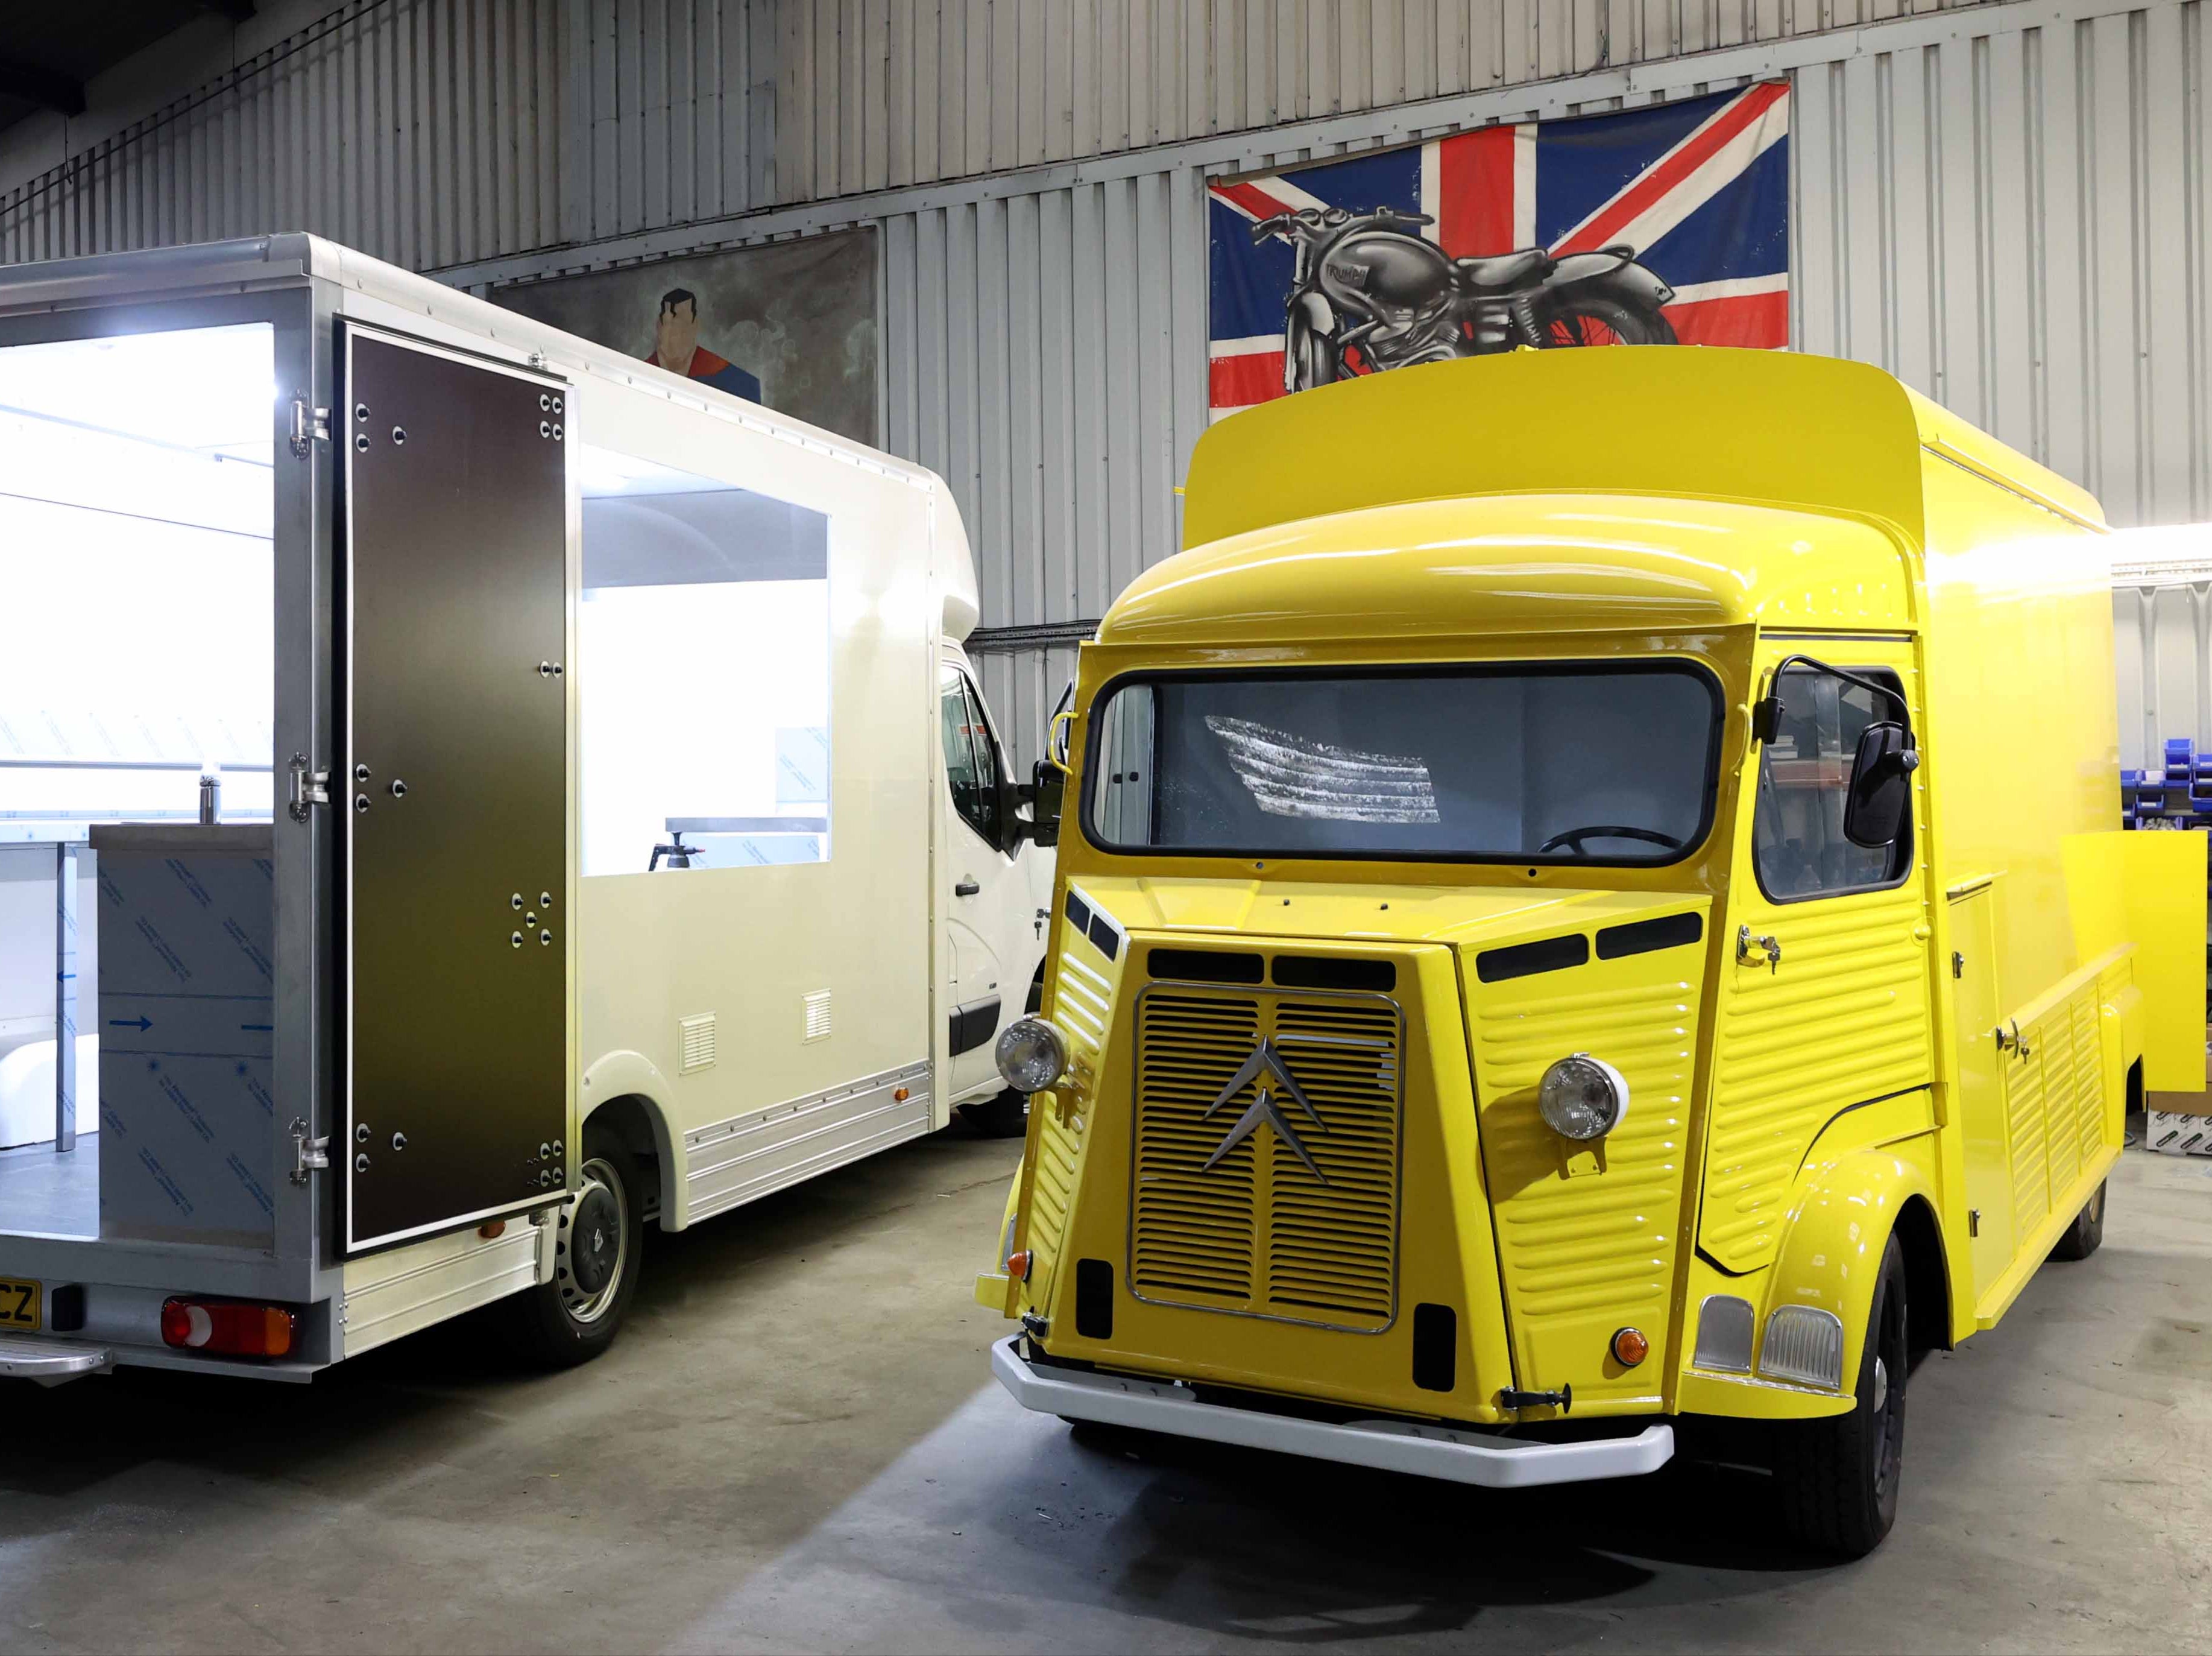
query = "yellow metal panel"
x=2031 y=1153
x=2162 y=893
x=1519 y=564
x=1846 y=1209
x=1445 y=1254
x=1587 y=1236
x=1491 y=423
x=1082 y=983
x=1843 y=1019
x=2021 y=745
x=1980 y=1105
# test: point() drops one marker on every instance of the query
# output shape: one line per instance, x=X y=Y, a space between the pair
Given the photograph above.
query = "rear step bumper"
x=27 y=1357
x=1449 y=1453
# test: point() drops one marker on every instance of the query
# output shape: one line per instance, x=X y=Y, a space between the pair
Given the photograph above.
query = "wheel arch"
x=1832 y=1253
x=625 y=1091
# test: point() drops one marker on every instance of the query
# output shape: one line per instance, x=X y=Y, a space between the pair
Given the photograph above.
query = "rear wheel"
x=1592 y=319
x=597 y=1252
x=2083 y=1236
x=1839 y=1477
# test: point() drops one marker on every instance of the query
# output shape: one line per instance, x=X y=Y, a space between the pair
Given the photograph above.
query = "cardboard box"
x=2172 y=1133
x=2180 y=1123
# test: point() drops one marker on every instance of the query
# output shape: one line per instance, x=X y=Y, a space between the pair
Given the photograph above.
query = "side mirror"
x=1046 y=792
x=1881 y=786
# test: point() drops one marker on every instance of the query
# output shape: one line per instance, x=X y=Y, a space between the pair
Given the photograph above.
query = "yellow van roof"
x=1771 y=428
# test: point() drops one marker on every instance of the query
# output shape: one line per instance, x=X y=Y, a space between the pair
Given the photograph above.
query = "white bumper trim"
x=1439 y=1452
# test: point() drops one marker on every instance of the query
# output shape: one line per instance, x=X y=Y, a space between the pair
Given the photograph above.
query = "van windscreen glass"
x=1591 y=763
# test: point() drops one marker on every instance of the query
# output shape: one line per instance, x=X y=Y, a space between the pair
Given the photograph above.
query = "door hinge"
x=1957 y=963
x=1973 y=1221
x=309 y=1155
x=308 y=787
x=310 y=425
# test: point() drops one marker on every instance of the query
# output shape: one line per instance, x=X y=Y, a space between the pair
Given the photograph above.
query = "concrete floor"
x=795 y=1446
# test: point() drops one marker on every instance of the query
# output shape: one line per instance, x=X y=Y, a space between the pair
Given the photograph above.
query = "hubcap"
x=594 y=1243
x=1880 y=1386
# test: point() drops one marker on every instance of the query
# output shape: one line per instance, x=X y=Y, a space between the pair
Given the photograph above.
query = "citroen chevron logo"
x=1265 y=1061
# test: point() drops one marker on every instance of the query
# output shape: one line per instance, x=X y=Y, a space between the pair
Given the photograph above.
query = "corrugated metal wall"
x=559 y=121
x=2006 y=205
x=2014 y=223
x=2007 y=210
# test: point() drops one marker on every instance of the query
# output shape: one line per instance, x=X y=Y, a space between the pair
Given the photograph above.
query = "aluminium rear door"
x=454 y=789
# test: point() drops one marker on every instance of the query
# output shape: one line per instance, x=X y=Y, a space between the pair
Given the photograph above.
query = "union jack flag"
x=1700 y=188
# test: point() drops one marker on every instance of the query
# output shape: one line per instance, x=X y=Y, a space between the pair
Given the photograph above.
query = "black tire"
x=1311 y=358
x=1580 y=319
x=2082 y=1238
x=577 y=1315
x=1837 y=1478
x=1007 y=1116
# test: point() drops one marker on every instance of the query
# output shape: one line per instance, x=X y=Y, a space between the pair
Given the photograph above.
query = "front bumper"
x=1454 y=1454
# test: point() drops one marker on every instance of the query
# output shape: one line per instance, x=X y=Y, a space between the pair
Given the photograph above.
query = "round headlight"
x=1583 y=1097
x=1032 y=1055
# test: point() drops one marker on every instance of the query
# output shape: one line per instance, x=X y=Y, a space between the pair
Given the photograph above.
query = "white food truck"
x=464 y=795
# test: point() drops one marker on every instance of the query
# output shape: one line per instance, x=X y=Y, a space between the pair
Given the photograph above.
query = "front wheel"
x=1838 y=1478
x=576 y=1316
x=1595 y=320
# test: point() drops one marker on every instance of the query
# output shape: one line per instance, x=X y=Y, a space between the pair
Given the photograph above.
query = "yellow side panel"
x=1587 y=1237
x=2160 y=899
x=1079 y=997
x=2030 y=1158
x=2023 y=734
x=1842 y=1020
x=1980 y=1108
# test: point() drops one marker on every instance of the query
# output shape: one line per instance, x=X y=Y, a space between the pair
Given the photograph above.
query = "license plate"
x=19 y=1303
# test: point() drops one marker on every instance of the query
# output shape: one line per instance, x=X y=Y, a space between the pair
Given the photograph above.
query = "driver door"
x=982 y=893
x=1825 y=986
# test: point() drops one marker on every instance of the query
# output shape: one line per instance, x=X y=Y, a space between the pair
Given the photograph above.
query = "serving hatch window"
x=703 y=639
x=1590 y=763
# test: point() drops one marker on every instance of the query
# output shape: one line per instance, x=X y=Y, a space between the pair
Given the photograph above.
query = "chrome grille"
x=1257 y=1232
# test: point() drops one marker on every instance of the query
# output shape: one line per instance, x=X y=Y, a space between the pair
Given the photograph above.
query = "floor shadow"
x=405 y=1400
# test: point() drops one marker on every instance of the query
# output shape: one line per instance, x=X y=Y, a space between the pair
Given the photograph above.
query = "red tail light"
x=227 y=1328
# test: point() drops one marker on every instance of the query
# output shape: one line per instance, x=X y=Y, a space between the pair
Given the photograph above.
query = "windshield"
x=1588 y=763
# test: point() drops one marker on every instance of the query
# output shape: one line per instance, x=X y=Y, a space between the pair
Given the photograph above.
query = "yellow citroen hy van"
x=1589 y=896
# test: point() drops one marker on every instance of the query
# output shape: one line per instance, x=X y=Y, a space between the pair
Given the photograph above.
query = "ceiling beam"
x=41 y=87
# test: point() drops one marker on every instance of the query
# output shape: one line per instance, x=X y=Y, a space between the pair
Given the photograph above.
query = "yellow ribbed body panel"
x=1843 y=1021
x=1587 y=1236
x=1080 y=993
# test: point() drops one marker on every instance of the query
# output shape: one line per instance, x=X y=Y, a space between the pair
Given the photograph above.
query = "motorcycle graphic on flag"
x=1655 y=226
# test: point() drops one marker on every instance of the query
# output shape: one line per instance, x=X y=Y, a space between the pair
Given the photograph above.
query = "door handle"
x=966 y=888
x=1770 y=945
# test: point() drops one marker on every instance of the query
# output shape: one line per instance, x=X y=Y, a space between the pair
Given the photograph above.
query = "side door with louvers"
x=1826 y=992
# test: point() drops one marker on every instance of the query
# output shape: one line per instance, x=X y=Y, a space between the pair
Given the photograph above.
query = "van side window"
x=971 y=756
x=1798 y=847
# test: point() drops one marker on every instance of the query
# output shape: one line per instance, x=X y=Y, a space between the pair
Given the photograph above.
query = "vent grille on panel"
x=1229 y=1214
x=818 y=1016
x=698 y=1041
